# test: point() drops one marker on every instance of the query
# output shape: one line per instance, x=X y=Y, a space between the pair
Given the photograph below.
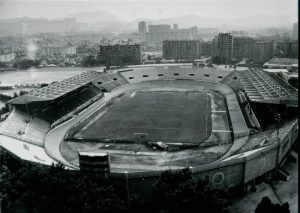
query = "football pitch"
x=167 y=116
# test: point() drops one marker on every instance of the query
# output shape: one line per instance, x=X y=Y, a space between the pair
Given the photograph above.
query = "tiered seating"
x=265 y=138
x=176 y=72
x=233 y=81
x=70 y=103
x=110 y=81
x=24 y=127
x=15 y=124
x=36 y=131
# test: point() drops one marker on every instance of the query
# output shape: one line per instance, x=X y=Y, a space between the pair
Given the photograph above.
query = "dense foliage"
x=266 y=205
x=26 y=63
x=36 y=188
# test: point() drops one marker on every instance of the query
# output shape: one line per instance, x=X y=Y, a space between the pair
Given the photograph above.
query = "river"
x=38 y=76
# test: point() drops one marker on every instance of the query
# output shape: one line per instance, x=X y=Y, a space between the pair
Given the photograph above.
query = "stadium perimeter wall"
x=237 y=170
x=233 y=171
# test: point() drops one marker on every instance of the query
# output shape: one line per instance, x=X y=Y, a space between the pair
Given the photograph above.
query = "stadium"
x=230 y=126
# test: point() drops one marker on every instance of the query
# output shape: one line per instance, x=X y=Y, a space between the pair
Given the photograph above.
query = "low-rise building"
x=281 y=63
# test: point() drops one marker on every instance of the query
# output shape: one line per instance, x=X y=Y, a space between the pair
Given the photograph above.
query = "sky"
x=129 y=10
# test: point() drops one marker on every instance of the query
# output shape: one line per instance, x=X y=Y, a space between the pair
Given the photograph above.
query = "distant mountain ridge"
x=105 y=21
x=95 y=16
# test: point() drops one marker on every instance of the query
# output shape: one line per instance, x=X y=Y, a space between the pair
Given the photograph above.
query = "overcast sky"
x=129 y=10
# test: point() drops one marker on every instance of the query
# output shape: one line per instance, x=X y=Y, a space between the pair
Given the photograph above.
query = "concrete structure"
x=248 y=156
x=96 y=164
x=159 y=33
x=206 y=48
x=263 y=51
x=295 y=31
x=59 y=50
x=286 y=48
x=114 y=55
x=281 y=63
x=223 y=47
x=181 y=50
x=7 y=57
x=243 y=47
x=142 y=29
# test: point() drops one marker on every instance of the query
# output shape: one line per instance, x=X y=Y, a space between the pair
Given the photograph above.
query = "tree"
x=3 y=65
x=178 y=191
x=266 y=205
x=26 y=63
x=216 y=60
x=39 y=188
x=89 y=61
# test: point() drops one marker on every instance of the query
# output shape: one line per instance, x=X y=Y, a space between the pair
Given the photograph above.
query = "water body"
x=41 y=75
x=37 y=76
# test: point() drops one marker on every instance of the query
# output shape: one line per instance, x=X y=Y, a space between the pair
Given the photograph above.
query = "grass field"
x=177 y=117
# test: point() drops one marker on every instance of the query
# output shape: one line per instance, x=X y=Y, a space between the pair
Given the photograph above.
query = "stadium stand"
x=57 y=89
x=59 y=109
x=151 y=74
x=25 y=127
x=266 y=138
x=261 y=86
x=109 y=81
x=233 y=81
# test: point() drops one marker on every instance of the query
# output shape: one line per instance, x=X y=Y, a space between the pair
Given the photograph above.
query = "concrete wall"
x=151 y=73
x=239 y=170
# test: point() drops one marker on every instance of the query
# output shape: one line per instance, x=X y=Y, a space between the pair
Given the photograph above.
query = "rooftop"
x=262 y=86
x=57 y=89
x=283 y=61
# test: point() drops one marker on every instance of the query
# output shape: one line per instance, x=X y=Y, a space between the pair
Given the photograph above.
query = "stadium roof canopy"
x=57 y=89
x=265 y=87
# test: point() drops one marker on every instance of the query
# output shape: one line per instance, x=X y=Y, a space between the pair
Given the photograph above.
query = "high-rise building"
x=243 y=47
x=114 y=55
x=288 y=49
x=183 y=50
x=175 y=26
x=159 y=28
x=206 y=48
x=263 y=51
x=158 y=33
x=223 y=47
x=142 y=28
x=295 y=31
